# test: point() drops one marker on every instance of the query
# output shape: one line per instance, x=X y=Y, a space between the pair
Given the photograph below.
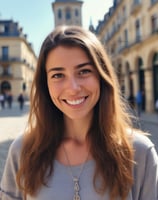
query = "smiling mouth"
x=75 y=102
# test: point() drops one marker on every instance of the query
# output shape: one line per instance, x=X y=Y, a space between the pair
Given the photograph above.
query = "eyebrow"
x=61 y=68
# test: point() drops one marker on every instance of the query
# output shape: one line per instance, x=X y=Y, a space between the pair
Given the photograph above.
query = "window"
x=76 y=13
x=5 y=52
x=154 y=25
x=119 y=43
x=6 y=29
x=68 y=14
x=137 y=1
x=59 y=14
x=126 y=37
x=138 y=33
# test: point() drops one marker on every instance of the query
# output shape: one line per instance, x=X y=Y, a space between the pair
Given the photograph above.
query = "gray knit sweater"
x=60 y=184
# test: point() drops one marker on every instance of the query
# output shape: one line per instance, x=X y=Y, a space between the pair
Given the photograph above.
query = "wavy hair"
x=111 y=147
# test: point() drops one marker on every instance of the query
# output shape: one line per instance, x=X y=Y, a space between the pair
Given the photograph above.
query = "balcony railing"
x=6 y=75
x=10 y=59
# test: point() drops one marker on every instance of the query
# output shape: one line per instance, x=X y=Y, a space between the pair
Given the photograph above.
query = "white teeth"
x=75 y=102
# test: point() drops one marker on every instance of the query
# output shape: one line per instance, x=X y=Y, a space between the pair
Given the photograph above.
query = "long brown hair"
x=112 y=149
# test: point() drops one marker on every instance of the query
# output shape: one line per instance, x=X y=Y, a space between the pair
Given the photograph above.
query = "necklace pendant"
x=76 y=185
x=76 y=189
x=76 y=196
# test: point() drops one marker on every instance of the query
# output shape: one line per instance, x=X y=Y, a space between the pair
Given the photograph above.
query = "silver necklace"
x=74 y=178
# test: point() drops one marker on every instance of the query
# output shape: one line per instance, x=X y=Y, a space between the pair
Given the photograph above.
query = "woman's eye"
x=85 y=71
x=57 y=76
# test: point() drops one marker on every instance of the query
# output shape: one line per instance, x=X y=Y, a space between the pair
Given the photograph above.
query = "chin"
x=79 y=116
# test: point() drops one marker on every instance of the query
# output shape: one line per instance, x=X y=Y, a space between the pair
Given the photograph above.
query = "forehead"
x=65 y=55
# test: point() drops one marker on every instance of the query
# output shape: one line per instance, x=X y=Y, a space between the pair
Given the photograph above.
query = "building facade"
x=130 y=33
x=17 y=60
x=68 y=12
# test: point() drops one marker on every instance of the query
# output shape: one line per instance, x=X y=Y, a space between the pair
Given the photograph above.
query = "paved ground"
x=149 y=123
x=13 y=121
x=12 y=124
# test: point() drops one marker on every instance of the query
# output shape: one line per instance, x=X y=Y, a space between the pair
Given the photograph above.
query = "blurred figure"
x=21 y=101
x=2 y=100
x=139 y=102
x=156 y=106
x=9 y=100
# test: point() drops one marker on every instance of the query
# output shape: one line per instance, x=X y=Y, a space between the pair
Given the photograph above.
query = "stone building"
x=17 y=60
x=67 y=12
x=129 y=31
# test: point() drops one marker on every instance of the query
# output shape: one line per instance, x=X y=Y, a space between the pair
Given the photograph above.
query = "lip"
x=76 y=101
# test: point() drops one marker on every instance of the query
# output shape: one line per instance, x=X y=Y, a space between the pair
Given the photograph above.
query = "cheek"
x=51 y=90
x=54 y=91
x=95 y=83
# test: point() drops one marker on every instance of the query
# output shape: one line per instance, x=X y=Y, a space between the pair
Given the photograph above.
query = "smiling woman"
x=79 y=143
x=74 y=87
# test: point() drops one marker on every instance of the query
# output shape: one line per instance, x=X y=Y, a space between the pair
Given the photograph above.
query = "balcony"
x=6 y=60
x=135 y=8
x=127 y=45
x=6 y=75
x=9 y=59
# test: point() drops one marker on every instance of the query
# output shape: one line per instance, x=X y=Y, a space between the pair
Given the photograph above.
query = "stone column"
x=149 y=91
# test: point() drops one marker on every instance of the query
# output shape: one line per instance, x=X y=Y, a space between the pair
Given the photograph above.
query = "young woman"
x=79 y=144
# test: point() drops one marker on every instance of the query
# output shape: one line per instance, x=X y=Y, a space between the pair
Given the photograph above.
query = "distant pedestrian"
x=156 y=106
x=2 y=100
x=139 y=102
x=21 y=101
x=9 y=100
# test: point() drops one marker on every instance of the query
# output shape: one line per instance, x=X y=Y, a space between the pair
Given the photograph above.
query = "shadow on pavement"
x=4 y=147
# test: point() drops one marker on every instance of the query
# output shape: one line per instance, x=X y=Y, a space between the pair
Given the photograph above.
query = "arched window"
x=68 y=14
x=5 y=86
x=76 y=13
x=59 y=14
x=138 y=30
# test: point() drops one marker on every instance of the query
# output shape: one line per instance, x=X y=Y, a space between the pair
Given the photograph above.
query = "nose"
x=73 y=85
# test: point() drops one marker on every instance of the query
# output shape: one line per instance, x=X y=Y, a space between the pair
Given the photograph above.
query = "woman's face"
x=73 y=82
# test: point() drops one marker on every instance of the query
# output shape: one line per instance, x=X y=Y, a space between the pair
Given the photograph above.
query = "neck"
x=76 y=130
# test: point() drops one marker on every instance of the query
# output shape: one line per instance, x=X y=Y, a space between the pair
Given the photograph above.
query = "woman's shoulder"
x=145 y=166
x=16 y=145
x=143 y=146
x=140 y=139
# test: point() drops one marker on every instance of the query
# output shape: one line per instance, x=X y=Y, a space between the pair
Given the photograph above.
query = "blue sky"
x=37 y=20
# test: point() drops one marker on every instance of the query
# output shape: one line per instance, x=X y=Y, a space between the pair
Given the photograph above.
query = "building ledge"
x=136 y=7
